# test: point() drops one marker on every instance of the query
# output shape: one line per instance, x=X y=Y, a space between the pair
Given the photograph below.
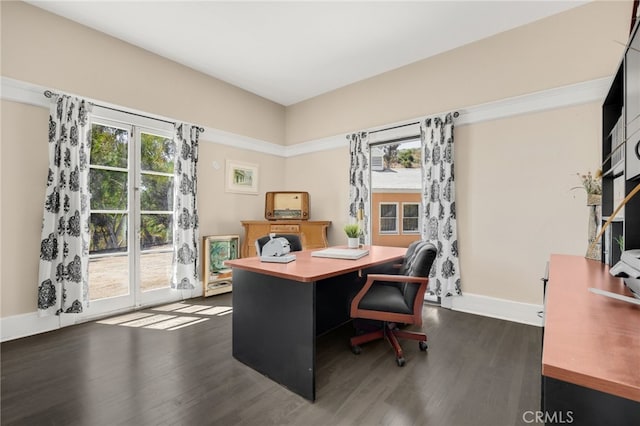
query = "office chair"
x=396 y=298
x=295 y=244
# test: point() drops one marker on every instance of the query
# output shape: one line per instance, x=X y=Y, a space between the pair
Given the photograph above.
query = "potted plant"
x=353 y=235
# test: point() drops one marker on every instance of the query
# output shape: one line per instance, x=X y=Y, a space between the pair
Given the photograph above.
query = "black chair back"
x=409 y=256
x=418 y=266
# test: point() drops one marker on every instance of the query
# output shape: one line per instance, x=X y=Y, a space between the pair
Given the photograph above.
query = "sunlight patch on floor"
x=171 y=319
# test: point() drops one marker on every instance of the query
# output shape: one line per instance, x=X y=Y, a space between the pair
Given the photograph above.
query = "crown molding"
x=33 y=94
x=559 y=97
x=545 y=100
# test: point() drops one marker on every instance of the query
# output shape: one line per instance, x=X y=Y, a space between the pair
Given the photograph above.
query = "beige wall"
x=29 y=39
x=221 y=211
x=37 y=46
x=514 y=175
x=514 y=202
x=574 y=46
x=324 y=175
x=25 y=161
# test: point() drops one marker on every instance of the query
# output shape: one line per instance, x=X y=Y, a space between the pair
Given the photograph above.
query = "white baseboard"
x=17 y=326
x=29 y=324
x=525 y=313
x=23 y=325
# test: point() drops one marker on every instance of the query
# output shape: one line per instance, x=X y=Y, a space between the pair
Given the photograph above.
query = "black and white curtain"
x=359 y=179
x=185 y=223
x=63 y=285
x=439 y=205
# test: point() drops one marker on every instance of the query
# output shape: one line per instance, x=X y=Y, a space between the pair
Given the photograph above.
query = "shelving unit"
x=621 y=145
x=216 y=276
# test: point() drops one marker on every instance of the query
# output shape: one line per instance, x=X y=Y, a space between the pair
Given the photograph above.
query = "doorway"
x=131 y=213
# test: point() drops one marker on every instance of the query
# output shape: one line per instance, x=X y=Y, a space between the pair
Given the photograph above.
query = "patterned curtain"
x=359 y=206
x=185 y=223
x=64 y=248
x=439 y=206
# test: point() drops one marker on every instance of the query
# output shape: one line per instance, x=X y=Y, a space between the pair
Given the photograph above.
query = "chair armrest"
x=396 y=278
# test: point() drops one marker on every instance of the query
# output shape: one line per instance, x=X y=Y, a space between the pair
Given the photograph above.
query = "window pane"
x=410 y=224
x=108 y=189
x=156 y=153
x=388 y=214
x=387 y=224
x=410 y=210
x=156 y=231
x=108 y=276
x=155 y=270
x=156 y=193
x=108 y=233
x=387 y=210
x=109 y=146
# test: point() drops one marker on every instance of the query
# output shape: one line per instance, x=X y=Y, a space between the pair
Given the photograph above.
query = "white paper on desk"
x=616 y=296
x=338 y=253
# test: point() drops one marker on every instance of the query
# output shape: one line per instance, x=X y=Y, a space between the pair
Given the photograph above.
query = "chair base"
x=390 y=332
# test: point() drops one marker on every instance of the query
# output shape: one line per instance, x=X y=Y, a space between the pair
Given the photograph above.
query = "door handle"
x=638 y=150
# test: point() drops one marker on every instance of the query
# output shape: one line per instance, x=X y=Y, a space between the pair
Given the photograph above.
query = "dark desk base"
x=572 y=404
x=276 y=321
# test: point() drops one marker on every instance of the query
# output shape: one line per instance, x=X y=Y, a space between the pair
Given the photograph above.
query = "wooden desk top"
x=308 y=269
x=590 y=340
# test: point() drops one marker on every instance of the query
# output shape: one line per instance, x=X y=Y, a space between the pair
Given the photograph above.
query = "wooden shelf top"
x=590 y=340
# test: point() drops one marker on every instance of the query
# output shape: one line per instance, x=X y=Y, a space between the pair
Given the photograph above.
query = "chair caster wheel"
x=400 y=362
x=356 y=349
x=423 y=346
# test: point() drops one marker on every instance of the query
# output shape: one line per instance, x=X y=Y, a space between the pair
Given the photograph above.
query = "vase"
x=353 y=242
x=594 y=202
x=594 y=199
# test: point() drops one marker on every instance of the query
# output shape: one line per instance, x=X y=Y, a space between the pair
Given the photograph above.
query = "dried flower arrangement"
x=591 y=183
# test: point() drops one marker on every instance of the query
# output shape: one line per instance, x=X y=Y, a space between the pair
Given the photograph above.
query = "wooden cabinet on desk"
x=313 y=234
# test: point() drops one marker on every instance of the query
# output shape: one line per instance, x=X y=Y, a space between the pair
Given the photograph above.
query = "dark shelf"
x=614 y=109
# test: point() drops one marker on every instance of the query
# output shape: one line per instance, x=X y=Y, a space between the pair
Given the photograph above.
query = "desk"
x=280 y=309
x=591 y=349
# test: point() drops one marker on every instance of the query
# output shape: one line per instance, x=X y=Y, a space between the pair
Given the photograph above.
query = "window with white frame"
x=410 y=218
x=388 y=218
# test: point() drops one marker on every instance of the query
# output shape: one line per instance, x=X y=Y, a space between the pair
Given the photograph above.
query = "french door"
x=131 y=222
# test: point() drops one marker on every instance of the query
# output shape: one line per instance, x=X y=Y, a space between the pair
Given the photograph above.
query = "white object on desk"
x=338 y=253
x=278 y=259
x=615 y=296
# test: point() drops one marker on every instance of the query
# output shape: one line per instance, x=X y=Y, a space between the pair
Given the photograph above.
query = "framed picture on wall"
x=241 y=177
x=216 y=277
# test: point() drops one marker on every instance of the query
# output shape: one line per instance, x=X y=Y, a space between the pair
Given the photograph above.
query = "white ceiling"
x=291 y=51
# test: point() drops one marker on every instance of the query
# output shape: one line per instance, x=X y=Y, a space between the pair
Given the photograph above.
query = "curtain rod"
x=455 y=115
x=49 y=94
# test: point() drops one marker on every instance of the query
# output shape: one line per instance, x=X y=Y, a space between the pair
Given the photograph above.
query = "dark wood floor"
x=478 y=371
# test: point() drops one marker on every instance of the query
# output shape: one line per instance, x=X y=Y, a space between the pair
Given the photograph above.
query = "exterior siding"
x=394 y=240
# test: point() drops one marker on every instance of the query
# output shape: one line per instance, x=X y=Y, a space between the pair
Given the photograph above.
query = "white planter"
x=353 y=242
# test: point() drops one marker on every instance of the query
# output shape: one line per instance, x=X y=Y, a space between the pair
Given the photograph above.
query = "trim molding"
x=29 y=324
x=33 y=94
x=23 y=325
x=559 y=97
x=525 y=313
